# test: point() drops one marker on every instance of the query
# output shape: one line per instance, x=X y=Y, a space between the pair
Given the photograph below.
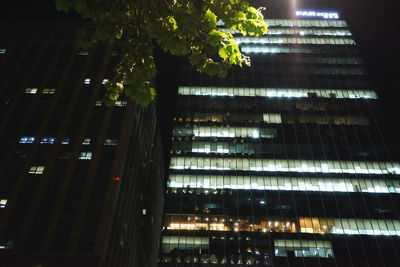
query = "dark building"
x=283 y=163
x=81 y=184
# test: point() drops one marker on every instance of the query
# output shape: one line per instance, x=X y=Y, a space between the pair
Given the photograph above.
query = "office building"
x=283 y=163
x=81 y=184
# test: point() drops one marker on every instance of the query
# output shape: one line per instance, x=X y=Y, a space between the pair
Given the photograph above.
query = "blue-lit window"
x=27 y=140
x=65 y=141
x=48 y=140
x=3 y=50
x=104 y=81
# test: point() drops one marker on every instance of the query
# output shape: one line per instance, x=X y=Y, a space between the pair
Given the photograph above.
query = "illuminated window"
x=293 y=40
x=98 y=103
x=6 y=244
x=86 y=81
x=276 y=92
x=49 y=91
x=48 y=140
x=284 y=165
x=27 y=140
x=31 y=91
x=223 y=131
x=317 y=184
x=104 y=81
x=65 y=141
x=120 y=103
x=169 y=243
x=272 y=118
x=302 y=31
x=349 y=226
x=85 y=155
x=111 y=142
x=303 y=248
x=3 y=203
x=306 y=23
x=86 y=142
x=3 y=50
x=36 y=170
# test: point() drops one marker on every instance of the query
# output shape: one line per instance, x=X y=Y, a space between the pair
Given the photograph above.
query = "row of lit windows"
x=280 y=49
x=40 y=169
x=293 y=40
x=184 y=242
x=276 y=92
x=285 y=165
x=65 y=141
x=318 y=184
x=303 y=248
x=224 y=131
x=224 y=147
x=301 y=32
x=197 y=222
x=3 y=51
x=301 y=23
x=221 y=147
x=347 y=226
x=306 y=23
x=188 y=257
x=276 y=119
x=46 y=91
x=88 y=81
x=118 y=103
x=195 y=242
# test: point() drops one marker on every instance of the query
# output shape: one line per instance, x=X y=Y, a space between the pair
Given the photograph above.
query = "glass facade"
x=283 y=163
x=81 y=184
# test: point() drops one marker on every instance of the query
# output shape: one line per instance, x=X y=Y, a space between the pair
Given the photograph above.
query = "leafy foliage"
x=181 y=27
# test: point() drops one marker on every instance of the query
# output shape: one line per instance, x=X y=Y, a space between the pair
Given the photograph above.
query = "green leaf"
x=118 y=35
x=211 y=18
x=153 y=91
x=223 y=53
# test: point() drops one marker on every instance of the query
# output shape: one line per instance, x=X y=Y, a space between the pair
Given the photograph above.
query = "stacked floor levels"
x=80 y=183
x=283 y=163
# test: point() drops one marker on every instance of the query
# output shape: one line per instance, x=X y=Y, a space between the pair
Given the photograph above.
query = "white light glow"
x=311 y=13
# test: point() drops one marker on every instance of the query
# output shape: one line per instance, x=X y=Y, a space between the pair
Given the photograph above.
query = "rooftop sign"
x=311 y=13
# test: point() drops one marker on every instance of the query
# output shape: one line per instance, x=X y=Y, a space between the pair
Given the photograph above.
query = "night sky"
x=374 y=24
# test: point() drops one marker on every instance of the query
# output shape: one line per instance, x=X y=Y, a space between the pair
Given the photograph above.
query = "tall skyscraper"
x=283 y=163
x=81 y=184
